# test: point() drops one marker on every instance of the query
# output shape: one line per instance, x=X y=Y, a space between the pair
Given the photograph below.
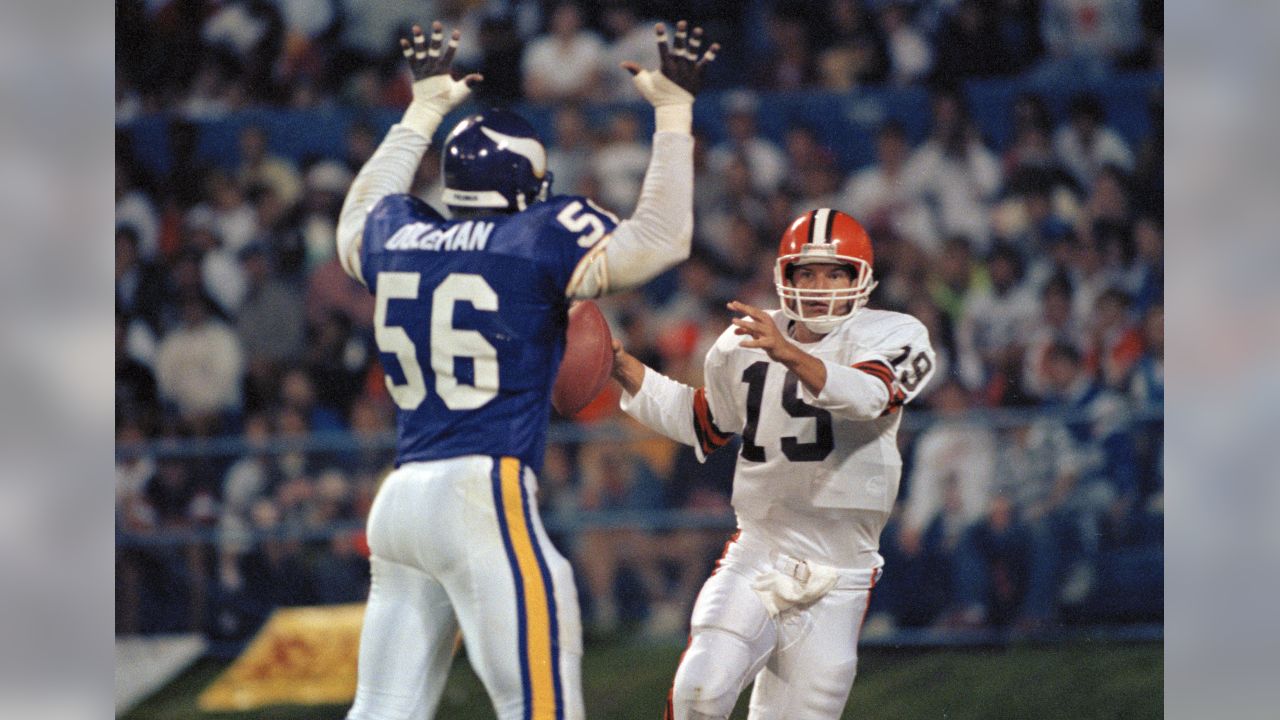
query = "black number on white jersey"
x=919 y=368
x=754 y=377
x=795 y=451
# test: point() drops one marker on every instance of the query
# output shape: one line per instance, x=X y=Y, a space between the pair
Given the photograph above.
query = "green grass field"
x=629 y=679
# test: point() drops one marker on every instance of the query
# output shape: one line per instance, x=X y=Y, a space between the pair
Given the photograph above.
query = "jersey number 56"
x=447 y=342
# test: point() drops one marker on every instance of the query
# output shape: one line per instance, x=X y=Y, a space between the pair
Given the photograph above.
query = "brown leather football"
x=587 y=362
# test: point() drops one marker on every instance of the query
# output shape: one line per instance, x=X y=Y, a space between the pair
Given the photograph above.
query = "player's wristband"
x=422 y=119
x=677 y=118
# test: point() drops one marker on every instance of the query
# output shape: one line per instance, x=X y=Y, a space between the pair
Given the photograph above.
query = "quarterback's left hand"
x=764 y=333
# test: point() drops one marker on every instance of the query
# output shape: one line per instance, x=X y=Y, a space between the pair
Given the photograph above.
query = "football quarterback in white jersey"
x=815 y=390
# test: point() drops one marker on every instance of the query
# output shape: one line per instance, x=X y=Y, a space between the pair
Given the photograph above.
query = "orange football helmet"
x=824 y=236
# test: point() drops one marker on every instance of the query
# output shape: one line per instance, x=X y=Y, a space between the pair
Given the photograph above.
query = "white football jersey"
x=816 y=476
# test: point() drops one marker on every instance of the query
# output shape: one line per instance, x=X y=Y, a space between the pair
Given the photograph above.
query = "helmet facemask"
x=792 y=299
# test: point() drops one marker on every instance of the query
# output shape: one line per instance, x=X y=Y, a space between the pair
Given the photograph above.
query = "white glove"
x=673 y=105
x=780 y=592
x=433 y=98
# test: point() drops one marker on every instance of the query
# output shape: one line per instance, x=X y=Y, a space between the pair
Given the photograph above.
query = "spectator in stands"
x=169 y=494
x=954 y=276
x=136 y=398
x=630 y=40
x=570 y=157
x=620 y=163
x=789 y=63
x=139 y=284
x=1030 y=160
x=326 y=185
x=500 y=49
x=878 y=196
x=948 y=490
x=1114 y=341
x=1090 y=274
x=969 y=43
x=271 y=323
x=1085 y=144
x=366 y=29
x=199 y=368
x=730 y=196
x=765 y=161
x=954 y=172
x=330 y=289
x=1084 y=38
x=1106 y=493
x=359 y=143
x=855 y=53
x=1044 y=233
x=370 y=421
x=812 y=178
x=134 y=473
x=994 y=324
x=1006 y=567
x=1108 y=208
x=213 y=93
x=298 y=393
x=221 y=275
x=615 y=480
x=1144 y=278
x=1147 y=383
x=910 y=55
x=274 y=570
x=337 y=360
x=234 y=220
x=135 y=209
x=565 y=64
x=252 y=476
x=249 y=35
x=1057 y=325
x=259 y=167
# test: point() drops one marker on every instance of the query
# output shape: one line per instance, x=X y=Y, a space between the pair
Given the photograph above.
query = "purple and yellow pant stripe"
x=539 y=636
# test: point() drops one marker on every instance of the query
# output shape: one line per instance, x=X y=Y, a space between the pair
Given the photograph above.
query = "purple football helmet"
x=494 y=160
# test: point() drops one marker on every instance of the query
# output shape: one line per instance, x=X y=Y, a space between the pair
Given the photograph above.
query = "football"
x=588 y=359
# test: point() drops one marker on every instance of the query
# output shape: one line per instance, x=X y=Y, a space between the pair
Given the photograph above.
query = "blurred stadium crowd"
x=1032 y=492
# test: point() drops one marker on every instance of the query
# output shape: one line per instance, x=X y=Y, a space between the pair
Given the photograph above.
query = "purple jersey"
x=470 y=320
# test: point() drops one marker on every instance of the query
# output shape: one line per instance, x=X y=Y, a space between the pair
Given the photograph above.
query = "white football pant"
x=458 y=544
x=803 y=661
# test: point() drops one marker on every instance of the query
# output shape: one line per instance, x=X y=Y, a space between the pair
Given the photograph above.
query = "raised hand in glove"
x=670 y=89
x=435 y=92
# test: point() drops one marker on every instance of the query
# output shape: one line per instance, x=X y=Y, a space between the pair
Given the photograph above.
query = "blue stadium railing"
x=184 y=551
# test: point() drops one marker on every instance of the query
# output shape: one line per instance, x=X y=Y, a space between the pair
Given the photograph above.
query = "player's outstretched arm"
x=391 y=168
x=663 y=405
x=658 y=234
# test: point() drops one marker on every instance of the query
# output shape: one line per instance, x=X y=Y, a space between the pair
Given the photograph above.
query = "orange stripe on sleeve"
x=710 y=437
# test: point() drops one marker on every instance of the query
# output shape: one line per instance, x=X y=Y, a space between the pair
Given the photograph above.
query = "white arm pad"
x=850 y=393
x=664 y=406
x=658 y=234
x=389 y=171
